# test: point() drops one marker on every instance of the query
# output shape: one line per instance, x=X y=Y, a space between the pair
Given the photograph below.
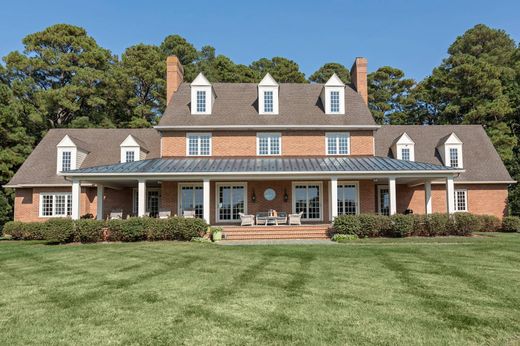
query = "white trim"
x=198 y=135
x=217 y=199
x=269 y=135
x=350 y=182
x=293 y=191
x=135 y=201
x=392 y=191
x=337 y=134
x=455 y=202
x=179 y=193
x=450 y=200
x=266 y=127
x=53 y=194
x=379 y=188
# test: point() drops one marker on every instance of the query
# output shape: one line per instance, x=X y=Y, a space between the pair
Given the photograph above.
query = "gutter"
x=265 y=127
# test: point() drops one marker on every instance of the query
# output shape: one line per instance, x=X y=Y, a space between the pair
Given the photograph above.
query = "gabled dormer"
x=132 y=150
x=450 y=149
x=268 y=95
x=202 y=95
x=333 y=96
x=403 y=148
x=70 y=154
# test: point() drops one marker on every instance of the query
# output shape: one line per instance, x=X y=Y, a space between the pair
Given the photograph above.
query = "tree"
x=323 y=74
x=60 y=75
x=185 y=51
x=283 y=70
x=389 y=95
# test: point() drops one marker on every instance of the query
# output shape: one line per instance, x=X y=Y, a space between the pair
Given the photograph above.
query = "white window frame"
x=269 y=135
x=337 y=135
x=204 y=104
x=179 y=195
x=198 y=135
x=217 y=198
x=456 y=204
x=135 y=199
x=266 y=111
x=356 y=184
x=403 y=149
x=54 y=194
x=449 y=150
x=69 y=152
x=320 y=184
x=127 y=152
x=379 y=188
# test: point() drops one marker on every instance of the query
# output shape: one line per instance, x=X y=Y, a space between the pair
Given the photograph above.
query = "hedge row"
x=90 y=231
x=371 y=225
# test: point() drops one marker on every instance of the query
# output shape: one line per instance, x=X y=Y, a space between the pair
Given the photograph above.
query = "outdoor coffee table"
x=271 y=220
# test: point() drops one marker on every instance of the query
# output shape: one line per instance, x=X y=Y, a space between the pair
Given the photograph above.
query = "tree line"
x=64 y=78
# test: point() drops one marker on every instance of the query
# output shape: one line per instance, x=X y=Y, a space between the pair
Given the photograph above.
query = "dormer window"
x=132 y=149
x=404 y=148
x=268 y=95
x=66 y=161
x=202 y=95
x=450 y=150
x=70 y=154
x=333 y=96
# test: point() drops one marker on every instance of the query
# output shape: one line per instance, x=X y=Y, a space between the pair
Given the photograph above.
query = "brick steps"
x=275 y=232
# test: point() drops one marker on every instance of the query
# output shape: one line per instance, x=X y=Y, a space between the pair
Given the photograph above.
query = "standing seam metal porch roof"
x=260 y=165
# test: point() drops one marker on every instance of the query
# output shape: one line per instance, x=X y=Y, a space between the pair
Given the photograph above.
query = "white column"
x=392 y=195
x=450 y=195
x=205 y=198
x=141 y=197
x=99 y=206
x=333 y=198
x=76 y=196
x=428 y=197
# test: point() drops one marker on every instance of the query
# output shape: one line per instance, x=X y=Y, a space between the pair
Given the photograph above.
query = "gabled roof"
x=268 y=80
x=236 y=104
x=104 y=149
x=403 y=138
x=451 y=138
x=200 y=80
x=132 y=141
x=264 y=165
x=334 y=81
x=68 y=141
x=481 y=160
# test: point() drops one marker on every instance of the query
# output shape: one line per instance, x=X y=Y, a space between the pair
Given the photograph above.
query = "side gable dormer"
x=268 y=95
x=70 y=154
x=450 y=150
x=333 y=96
x=403 y=148
x=202 y=95
x=132 y=150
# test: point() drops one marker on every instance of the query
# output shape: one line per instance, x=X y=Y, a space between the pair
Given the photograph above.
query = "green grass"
x=382 y=291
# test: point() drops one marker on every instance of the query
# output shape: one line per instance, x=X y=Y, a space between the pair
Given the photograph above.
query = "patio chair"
x=261 y=218
x=188 y=214
x=246 y=220
x=164 y=213
x=281 y=217
x=295 y=219
x=116 y=214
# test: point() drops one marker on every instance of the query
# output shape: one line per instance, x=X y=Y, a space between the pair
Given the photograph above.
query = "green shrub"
x=131 y=229
x=489 y=223
x=420 y=225
x=347 y=224
x=438 y=224
x=14 y=229
x=373 y=225
x=89 y=231
x=511 y=224
x=344 y=238
x=59 y=230
x=401 y=225
x=177 y=228
x=465 y=224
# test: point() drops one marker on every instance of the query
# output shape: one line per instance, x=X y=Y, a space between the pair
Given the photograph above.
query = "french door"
x=191 y=197
x=231 y=201
x=347 y=198
x=307 y=200
x=383 y=200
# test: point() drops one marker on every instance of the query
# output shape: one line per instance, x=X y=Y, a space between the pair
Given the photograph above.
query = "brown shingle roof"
x=480 y=159
x=237 y=104
x=102 y=144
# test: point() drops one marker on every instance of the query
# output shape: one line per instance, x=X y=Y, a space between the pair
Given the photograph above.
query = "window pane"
x=308 y=201
x=337 y=144
x=201 y=101
x=66 y=161
x=193 y=145
x=334 y=101
x=205 y=145
x=454 y=157
x=60 y=205
x=56 y=204
x=47 y=205
x=342 y=144
x=263 y=145
x=331 y=145
x=460 y=200
x=130 y=156
x=347 y=201
x=405 y=154
x=275 y=145
x=268 y=101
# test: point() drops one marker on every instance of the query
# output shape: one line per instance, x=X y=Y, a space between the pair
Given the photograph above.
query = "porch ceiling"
x=279 y=165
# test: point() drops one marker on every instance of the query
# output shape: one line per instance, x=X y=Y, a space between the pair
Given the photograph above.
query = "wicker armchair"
x=295 y=219
x=246 y=220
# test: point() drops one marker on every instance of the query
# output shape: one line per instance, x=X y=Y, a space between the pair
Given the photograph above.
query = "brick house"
x=222 y=149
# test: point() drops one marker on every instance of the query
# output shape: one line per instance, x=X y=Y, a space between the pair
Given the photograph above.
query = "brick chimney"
x=358 y=75
x=174 y=76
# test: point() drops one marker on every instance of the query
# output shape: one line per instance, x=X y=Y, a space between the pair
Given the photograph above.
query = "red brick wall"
x=243 y=143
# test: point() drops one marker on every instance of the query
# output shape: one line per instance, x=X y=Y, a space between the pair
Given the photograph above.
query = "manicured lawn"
x=411 y=291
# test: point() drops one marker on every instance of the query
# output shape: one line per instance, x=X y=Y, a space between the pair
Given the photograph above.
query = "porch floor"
x=319 y=231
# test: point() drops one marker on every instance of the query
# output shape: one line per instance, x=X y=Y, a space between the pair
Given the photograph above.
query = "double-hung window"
x=268 y=143
x=337 y=143
x=199 y=144
x=454 y=157
x=268 y=102
x=461 y=200
x=201 y=101
x=66 y=161
x=347 y=199
x=57 y=204
x=334 y=102
x=130 y=156
x=405 y=154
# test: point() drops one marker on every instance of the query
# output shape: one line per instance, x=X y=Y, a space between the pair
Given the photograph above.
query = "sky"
x=411 y=35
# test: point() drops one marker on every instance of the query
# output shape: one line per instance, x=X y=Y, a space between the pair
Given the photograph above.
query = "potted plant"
x=216 y=233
